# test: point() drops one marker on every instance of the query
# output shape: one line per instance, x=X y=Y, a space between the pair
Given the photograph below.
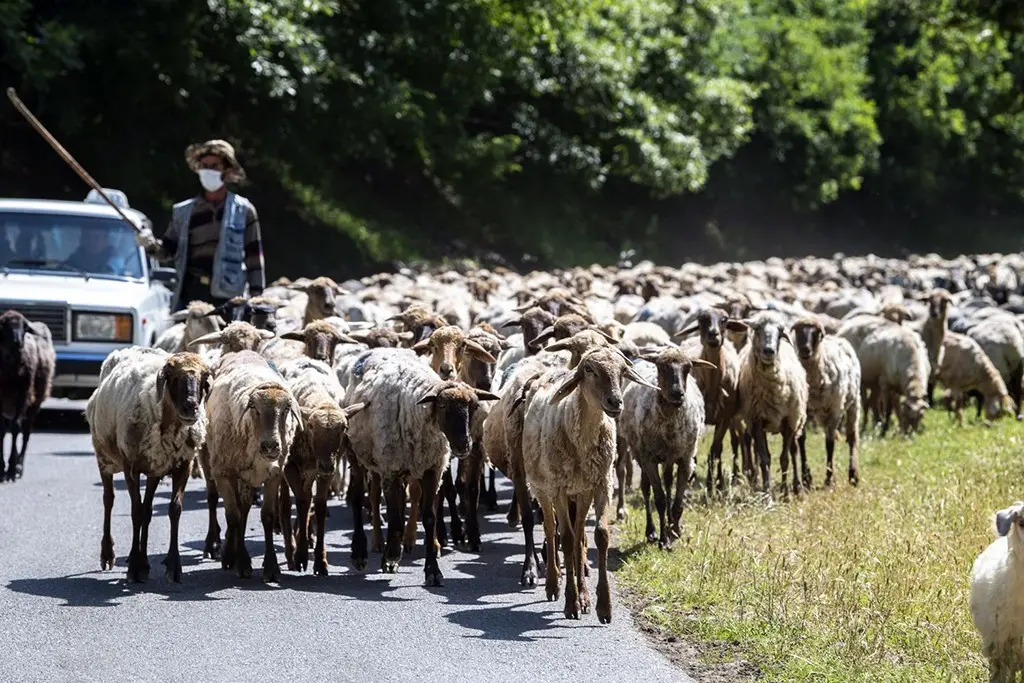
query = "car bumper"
x=77 y=373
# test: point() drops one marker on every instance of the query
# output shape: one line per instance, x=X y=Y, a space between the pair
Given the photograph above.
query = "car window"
x=62 y=243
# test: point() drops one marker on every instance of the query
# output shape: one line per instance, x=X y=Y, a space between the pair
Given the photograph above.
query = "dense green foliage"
x=569 y=130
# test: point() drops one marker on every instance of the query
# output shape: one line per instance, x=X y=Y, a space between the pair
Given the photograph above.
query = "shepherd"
x=214 y=238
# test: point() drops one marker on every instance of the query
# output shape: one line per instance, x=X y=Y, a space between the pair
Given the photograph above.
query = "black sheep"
x=27 y=361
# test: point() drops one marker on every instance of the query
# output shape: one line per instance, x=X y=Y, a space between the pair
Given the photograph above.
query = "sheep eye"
x=587 y=369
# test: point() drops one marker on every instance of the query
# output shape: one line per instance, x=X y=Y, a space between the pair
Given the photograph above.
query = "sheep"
x=237 y=336
x=1001 y=339
x=147 y=416
x=27 y=365
x=663 y=427
x=720 y=389
x=997 y=598
x=965 y=367
x=642 y=334
x=933 y=330
x=318 y=340
x=894 y=362
x=194 y=321
x=569 y=447
x=253 y=417
x=412 y=423
x=833 y=384
x=773 y=394
x=315 y=455
x=419 y=320
x=320 y=293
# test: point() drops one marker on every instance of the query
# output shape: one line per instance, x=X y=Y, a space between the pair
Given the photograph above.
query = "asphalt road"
x=65 y=620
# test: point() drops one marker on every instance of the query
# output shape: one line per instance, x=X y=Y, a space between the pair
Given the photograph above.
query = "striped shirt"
x=203 y=236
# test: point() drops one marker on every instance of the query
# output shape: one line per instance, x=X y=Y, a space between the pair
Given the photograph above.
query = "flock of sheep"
x=561 y=380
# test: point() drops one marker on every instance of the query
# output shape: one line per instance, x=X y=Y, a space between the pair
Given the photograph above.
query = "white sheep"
x=569 y=448
x=253 y=419
x=147 y=416
x=194 y=321
x=773 y=394
x=894 y=362
x=833 y=384
x=662 y=427
x=412 y=423
x=997 y=596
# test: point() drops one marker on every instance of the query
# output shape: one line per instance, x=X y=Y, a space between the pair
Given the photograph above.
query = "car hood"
x=75 y=290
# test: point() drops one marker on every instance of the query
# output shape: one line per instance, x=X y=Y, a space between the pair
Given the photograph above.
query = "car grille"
x=54 y=317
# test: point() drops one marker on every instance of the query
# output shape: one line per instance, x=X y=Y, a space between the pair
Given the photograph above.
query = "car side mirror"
x=167 y=275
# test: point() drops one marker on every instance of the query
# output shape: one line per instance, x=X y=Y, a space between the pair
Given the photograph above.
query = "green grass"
x=858 y=584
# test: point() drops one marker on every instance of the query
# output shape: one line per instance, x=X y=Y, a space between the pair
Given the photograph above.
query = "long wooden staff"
x=65 y=155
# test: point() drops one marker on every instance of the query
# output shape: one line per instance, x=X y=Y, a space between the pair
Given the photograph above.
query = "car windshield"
x=61 y=243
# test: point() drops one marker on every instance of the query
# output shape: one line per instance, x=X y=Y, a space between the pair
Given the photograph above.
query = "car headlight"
x=115 y=327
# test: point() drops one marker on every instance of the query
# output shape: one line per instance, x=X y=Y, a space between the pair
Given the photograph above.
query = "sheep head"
x=238 y=336
x=320 y=293
x=324 y=429
x=713 y=325
x=478 y=371
x=533 y=320
x=998 y=405
x=183 y=384
x=448 y=346
x=912 y=410
x=896 y=313
x=419 y=320
x=453 y=404
x=262 y=312
x=269 y=407
x=13 y=328
x=674 y=367
x=767 y=332
x=580 y=343
x=1010 y=519
x=320 y=338
x=565 y=326
x=234 y=309
x=381 y=338
x=599 y=378
x=807 y=333
x=938 y=304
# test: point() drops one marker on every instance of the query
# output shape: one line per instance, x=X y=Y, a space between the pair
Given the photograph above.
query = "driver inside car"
x=95 y=254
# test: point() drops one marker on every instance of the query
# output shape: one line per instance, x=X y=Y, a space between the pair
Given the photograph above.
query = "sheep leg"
x=522 y=501
x=396 y=520
x=375 y=520
x=3 y=432
x=179 y=480
x=303 y=499
x=458 y=536
x=12 y=461
x=645 y=488
x=734 y=442
x=570 y=551
x=354 y=497
x=228 y=554
x=789 y=446
x=461 y=483
x=212 y=546
x=853 y=441
x=320 y=510
x=601 y=539
x=244 y=495
x=474 y=472
x=629 y=474
x=415 y=493
x=830 y=447
x=291 y=481
x=572 y=515
x=136 y=573
x=513 y=514
x=650 y=469
x=551 y=560
x=1014 y=387
x=268 y=515
x=583 y=503
x=492 y=490
x=621 y=458
x=429 y=506
x=764 y=456
x=801 y=446
x=26 y=432
x=715 y=454
x=107 y=544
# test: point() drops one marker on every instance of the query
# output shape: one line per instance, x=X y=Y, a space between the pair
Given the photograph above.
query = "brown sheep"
x=27 y=363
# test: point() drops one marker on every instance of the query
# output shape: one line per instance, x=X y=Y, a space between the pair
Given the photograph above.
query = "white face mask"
x=211 y=179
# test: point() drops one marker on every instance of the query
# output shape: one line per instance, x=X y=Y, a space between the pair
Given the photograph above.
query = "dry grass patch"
x=865 y=584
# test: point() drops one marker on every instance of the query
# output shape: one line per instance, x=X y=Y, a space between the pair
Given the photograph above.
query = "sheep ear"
x=544 y=335
x=649 y=356
x=701 y=361
x=737 y=325
x=179 y=316
x=525 y=307
x=560 y=345
x=267 y=334
x=210 y=338
x=359 y=337
x=32 y=329
x=686 y=331
x=569 y=385
x=205 y=385
x=604 y=334
x=221 y=321
x=486 y=395
x=428 y=397
x=294 y=336
x=517 y=321
x=633 y=376
x=353 y=409
x=479 y=352
x=405 y=336
x=1004 y=520
x=161 y=382
x=296 y=410
x=422 y=345
x=783 y=334
x=346 y=339
x=305 y=412
x=504 y=344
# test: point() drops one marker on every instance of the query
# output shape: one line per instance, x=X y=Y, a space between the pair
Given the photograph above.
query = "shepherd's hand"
x=145 y=239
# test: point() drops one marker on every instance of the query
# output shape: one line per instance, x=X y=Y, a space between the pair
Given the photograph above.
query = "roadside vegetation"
x=857 y=584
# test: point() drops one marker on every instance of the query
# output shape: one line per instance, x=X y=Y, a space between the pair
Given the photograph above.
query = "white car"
x=76 y=267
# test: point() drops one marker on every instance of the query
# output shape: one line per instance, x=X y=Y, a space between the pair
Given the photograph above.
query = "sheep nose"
x=447 y=371
x=675 y=395
x=268 y=447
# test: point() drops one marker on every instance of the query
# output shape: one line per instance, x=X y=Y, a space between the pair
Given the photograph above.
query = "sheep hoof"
x=212 y=549
x=572 y=611
x=107 y=554
x=552 y=591
x=407 y=547
x=432 y=577
x=620 y=514
x=389 y=566
x=854 y=478
x=474 y=545
x=302 y=560
x=529 y=578
x=359 y=564
x=665 y=544
x=320 y=568
x=173 y=571
x=138 y=569
x=652 y=537
x=271 y=572
x=244 y=569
